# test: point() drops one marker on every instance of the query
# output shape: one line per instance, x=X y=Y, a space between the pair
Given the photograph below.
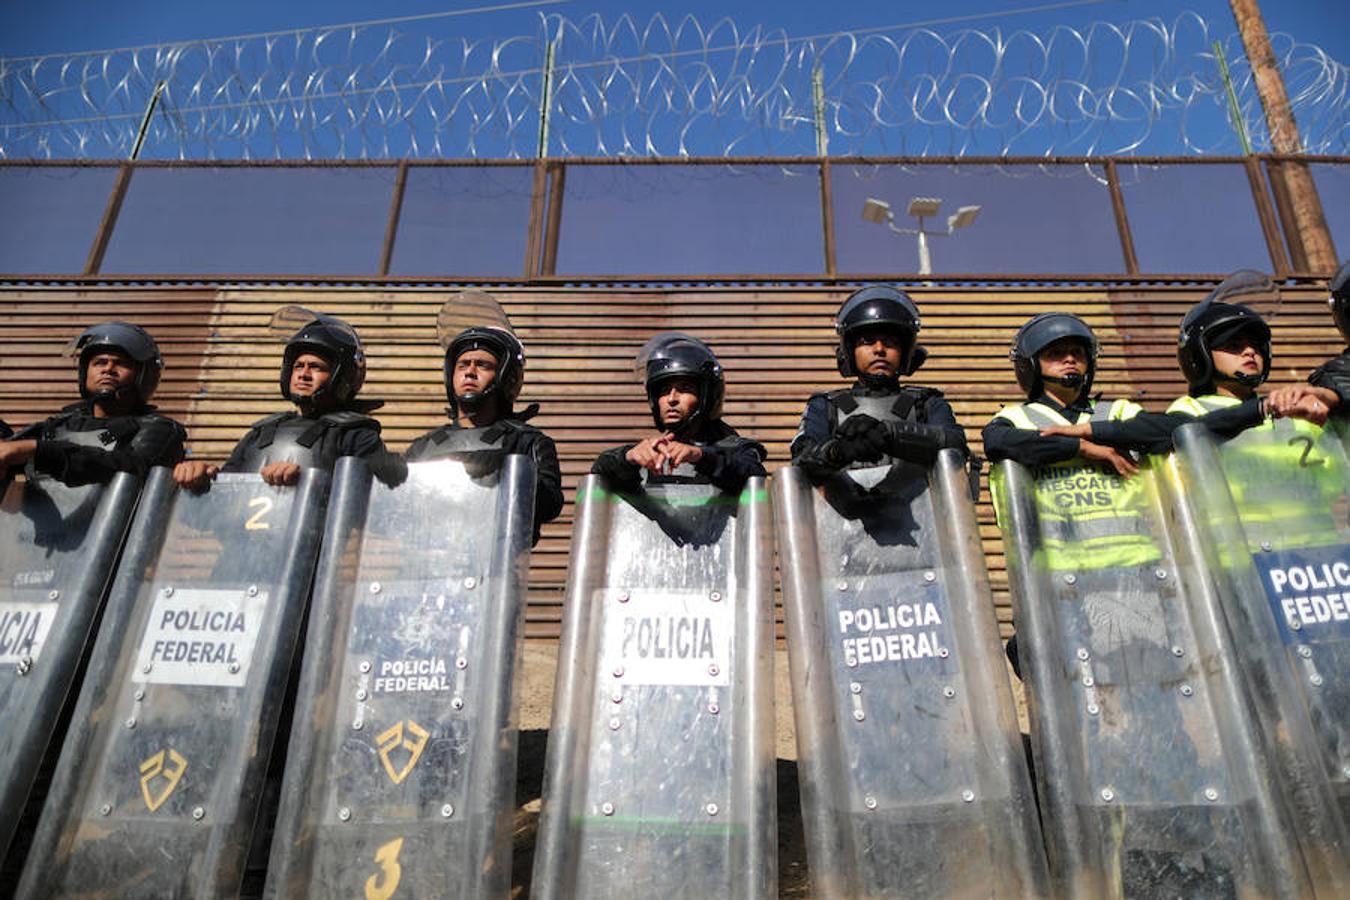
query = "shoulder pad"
x=920 y=392
x=274 y=419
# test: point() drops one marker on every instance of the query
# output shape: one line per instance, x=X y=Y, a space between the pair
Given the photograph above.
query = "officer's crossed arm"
x=1303 y=401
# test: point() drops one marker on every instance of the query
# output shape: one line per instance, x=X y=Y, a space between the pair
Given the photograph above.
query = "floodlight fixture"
x=923 y=207
x=877 y=211
x=964 y=216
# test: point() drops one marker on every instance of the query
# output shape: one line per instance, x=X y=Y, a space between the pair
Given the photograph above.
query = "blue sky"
x=58 y=26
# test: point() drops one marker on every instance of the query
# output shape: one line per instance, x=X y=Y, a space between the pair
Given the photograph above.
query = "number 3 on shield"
x=383 y=885
x=258 y=521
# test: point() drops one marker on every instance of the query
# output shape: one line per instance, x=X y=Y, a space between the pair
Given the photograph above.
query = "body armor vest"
x=309 y=443
x=99 y=437
x=481 y=450
x=906 y=405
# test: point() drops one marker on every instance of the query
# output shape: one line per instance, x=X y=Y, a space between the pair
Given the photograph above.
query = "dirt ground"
x=539 y=663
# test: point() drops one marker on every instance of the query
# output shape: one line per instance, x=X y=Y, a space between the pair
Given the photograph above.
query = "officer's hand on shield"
x=1302 y=401
x=649 y=453
x=16 y=453
x=863 y=438
x=678 y=454
x=279 y=474
x=1120 y=462
x=194 y=474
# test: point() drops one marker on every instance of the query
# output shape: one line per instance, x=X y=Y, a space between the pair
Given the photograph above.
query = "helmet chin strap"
x=1248 y=381
x=1072 y=380
x=877 y=382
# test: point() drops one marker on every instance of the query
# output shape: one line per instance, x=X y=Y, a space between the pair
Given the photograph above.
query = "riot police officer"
x=876 y=420
x=1329 y=386
x=322 y=368
x=685 y=386
x=113 y=428
x=484 y=369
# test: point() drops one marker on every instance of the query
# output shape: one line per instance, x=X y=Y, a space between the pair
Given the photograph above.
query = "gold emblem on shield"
x=393 y=741
x=154 y=768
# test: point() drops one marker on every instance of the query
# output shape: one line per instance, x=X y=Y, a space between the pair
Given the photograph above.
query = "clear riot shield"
x=58 y=545
x=157 y=789
x=660 y=778
x=914 y=782
x=1270 y=508
x=1147 y=757
x=403 y=782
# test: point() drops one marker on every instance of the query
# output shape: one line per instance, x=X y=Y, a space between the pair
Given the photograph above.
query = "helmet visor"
x=1245 y=287
x=470 y=309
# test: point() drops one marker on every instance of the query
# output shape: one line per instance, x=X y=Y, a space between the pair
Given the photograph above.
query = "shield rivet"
x=614 y=724
x=456 y=702
x=198 y=813
x=949 y=692
x=1088 y=681
x=1187 y=690
x=131 y=723
x=859 y=715
x=1071 y=578
x=105 y=809
x=25 y=665
x=930 y=576
x=624 y=597
x=1160 y=574
x=461 y=663
x=253 y=590
x=447 y=810
x=1082 y=654
x=711 y=809
x=1266 y=546
x=374 y=587
x=714 y=708
x=1108 y=795
x=713 y=670
x=139 y=694
x=471 y=582
x=365 y=665
x=146 y=668
x=715 y=596
x=843 y=585
x=53 y=594
x=851 y=662
x=1305 y=652
x=943 y=653
x=870 y=802
x=361 y=694
x=1211 y=795
x=616 y=697
x=344 y=814
x=358 y=725
x=854 y=687
x=1315 y=679
x=1093 y=709
x=618 y=671
x=968 y=795
x=607 y=808
x=234 y=668
x=1177 y=651
x=167 y=590
x=1296 y=625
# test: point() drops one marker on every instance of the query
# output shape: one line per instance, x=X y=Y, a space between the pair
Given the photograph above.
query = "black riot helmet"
x=673 y=354
x=131 y=340
x=506 y=348
x=338 y=344
x=1340 y=299
x=1207 y=326
x=878 y=306
x=1039 y=332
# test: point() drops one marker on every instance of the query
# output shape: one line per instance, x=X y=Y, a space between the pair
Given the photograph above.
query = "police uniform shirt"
x=75 y=447
x=1152 y=432
x=1003 y=439
x=927 y=427
x=728 y=461
x=1334 y=375
x=515 y=437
